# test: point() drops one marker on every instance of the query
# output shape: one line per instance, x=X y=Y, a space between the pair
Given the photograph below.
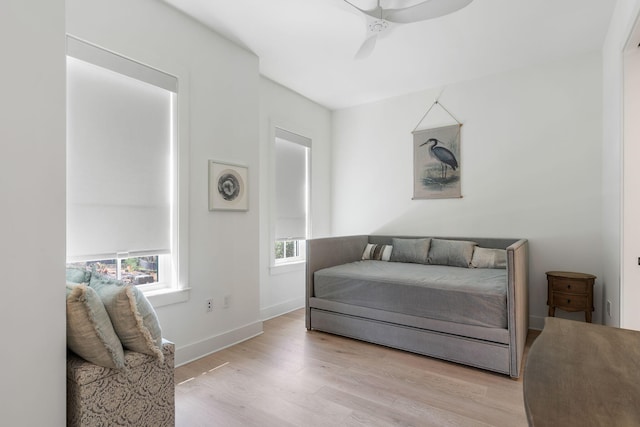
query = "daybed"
x=474 y=316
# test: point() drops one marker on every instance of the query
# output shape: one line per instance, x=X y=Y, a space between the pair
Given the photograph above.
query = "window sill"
x=167 y=296
x=288 y=267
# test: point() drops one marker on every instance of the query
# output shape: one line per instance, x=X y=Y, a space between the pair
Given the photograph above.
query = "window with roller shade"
x=292 y=152
x=121 y=168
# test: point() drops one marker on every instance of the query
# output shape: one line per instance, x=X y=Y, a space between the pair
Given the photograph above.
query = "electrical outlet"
x=227 y=301
x=209 y=305
x=609 y=308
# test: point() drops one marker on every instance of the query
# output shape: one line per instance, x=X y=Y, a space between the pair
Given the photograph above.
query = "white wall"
x=612 y=65
x=620 y=28
x=222 y=84
x=282 y=289
x=530 y=161
x=627 y=40
x=32 y=190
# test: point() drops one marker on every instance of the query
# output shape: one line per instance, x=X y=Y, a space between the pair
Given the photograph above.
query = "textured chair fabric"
x=140 y=395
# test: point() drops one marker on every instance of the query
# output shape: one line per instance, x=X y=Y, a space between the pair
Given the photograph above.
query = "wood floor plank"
x=289 y=376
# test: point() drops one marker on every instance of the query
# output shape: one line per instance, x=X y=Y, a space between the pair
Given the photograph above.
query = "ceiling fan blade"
x=428 y=9
x=367 y=47
x=374 y=13
x=376 y=28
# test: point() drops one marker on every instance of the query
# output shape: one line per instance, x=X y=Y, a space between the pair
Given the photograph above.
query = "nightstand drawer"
x=562 y=285
x=570 y=302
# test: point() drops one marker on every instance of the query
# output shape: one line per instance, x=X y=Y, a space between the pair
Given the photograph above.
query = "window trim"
x=305 y=138
x=105 y=58
x=178 y=289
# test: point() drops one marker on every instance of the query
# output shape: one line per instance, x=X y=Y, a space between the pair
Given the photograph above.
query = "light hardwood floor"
x=291 y=377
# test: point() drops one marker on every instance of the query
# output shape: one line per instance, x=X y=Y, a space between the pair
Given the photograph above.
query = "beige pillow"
x=456 y=253
x=134 y=319
x=489 y=258
x=89 y=331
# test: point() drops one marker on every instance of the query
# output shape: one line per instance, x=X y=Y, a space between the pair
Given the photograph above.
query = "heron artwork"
x=442 y=154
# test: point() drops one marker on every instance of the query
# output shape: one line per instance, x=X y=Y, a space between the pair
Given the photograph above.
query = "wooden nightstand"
x=570 y=292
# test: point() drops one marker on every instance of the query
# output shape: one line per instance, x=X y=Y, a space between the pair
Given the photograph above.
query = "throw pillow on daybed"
x=456 y=253
x=134 y=319
x=89 y=331
x=377 y=252
x=489 y=258
x=410 y=250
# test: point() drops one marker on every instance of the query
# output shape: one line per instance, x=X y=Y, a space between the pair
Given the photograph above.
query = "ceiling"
x=309 y=45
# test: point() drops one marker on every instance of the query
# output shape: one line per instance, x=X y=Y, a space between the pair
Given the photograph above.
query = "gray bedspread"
x=470 y=296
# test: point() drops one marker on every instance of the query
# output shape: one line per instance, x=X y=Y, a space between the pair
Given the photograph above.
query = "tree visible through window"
x=288 y=250
x=133 y=270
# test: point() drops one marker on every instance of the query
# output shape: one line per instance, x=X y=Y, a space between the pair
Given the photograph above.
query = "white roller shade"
x=119 y=136
x=291 y=186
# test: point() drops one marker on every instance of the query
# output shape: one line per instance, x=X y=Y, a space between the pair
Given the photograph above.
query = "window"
x=288 y=250
x=121 y=167
x=292 y=153
x=134 y=270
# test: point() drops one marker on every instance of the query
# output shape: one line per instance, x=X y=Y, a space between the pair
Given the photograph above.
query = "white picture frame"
x=228 y=186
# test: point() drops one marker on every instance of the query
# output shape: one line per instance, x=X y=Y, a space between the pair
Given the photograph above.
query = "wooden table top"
x=570 y=275
x=581 y=374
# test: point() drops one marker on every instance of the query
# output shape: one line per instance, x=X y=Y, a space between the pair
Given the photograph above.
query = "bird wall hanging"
x=436 y=160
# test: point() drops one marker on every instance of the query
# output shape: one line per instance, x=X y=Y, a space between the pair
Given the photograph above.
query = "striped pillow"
x=377 y=252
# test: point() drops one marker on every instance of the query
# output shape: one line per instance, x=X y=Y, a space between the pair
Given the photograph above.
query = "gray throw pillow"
x=89 y=331
x=489 y=258
x=455 y=253
x=410 y=250
x=133 y=317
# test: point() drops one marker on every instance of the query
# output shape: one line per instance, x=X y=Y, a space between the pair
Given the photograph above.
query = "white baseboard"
x=282 y=308
x=194 y=351
x=536 y=322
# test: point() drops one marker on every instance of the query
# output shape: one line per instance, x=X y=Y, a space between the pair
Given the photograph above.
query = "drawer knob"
x=568 y=301
x=568 y=286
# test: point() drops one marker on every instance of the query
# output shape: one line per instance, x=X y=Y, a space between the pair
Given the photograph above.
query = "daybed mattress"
x=469 y=296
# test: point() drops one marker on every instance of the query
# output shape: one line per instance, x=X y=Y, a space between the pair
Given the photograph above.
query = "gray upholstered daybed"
x=432 y=303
